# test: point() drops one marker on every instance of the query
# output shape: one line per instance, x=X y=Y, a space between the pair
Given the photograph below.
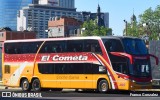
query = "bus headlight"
x=133 y=81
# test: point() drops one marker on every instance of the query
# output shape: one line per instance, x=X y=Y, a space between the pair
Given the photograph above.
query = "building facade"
x=102 y=17
x=67 y=3
x=8 y=12
x=36 y=17
x=58 y=3
x=64 y=27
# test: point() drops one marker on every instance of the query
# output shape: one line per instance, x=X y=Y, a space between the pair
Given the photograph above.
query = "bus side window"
x=29 y=47
x=92 y=46
x=75 y=46
x=53 y=47
x=88 y=69
x=113 y=45
x=58 y=48
x=7 y=48
x=120 y=67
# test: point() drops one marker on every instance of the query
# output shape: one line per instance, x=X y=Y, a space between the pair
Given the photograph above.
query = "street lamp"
x=148 y=29
x=125 y=27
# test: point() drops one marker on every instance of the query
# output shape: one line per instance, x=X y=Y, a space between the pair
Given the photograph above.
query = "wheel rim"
x=25 y=85
x=104 y=87
x=36 y=85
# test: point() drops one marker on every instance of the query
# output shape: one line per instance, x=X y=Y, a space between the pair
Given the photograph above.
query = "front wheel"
x=36 y=85
x=103 y=86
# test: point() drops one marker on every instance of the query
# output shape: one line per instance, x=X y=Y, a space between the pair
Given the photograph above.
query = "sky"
x=119 y=10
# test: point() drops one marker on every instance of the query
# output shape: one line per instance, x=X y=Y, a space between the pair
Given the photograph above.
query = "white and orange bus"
x=98 y=63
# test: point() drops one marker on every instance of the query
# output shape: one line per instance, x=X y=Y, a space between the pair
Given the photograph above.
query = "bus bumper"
x=140 y=86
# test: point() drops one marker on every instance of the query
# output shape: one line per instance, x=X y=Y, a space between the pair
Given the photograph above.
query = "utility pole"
x=126 y=23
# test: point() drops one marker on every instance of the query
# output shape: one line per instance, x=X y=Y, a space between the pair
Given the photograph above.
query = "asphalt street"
x=71 y=94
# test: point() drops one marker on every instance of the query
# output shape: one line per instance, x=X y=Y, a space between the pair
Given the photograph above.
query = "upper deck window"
x=113 y=45
x=134 y=46
x=21 y=48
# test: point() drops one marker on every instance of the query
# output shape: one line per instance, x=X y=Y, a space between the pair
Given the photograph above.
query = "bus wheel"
x=102 y=86
x=36 y=86
x=25 y=85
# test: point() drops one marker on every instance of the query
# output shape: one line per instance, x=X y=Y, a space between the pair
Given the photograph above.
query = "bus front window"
x=135 y=46
x=141 y=68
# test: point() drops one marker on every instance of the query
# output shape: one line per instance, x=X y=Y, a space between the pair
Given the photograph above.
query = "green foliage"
x=152 y=18
x=92 y=29
x=133 y=29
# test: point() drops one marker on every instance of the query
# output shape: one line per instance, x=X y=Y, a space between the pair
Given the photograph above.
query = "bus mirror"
x=156 y=58
x=102 y=69
x=120 y=54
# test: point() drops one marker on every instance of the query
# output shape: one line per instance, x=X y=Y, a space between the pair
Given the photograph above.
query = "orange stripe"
x=36 y=56
x=109 y=69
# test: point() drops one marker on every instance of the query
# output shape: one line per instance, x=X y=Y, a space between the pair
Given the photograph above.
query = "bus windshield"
x=135 y=46
x=141 y=68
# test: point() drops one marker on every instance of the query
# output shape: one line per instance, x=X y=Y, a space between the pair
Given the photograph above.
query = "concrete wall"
x=154 y=48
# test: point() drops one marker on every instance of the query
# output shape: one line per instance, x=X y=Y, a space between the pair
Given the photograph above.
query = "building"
x=13 y=35
x=67 y=3
x=35 y=17
x=64 y=27
x=102 y=17
x=59 y=3
x=8 y=12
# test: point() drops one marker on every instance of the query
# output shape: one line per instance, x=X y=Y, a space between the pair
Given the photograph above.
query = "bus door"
x=120 y=66
x=119 y=63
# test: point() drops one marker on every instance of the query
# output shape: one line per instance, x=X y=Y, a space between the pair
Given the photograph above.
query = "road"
x=17 y=94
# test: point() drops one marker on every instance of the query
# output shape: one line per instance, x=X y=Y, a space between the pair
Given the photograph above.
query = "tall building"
x=59 y=3
x=67 y=3
x=35 y=17
x=8 y=12
x=102 y=17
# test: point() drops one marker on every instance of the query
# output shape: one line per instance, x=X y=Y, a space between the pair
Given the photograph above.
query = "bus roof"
x=69 y=38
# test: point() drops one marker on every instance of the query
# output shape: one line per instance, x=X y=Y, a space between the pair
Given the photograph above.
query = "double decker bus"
x=97 y=63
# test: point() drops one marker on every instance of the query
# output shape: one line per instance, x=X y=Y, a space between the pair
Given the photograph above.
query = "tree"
x=134 y=29
x=151 y=18
x=92 y=29
x=6 y=29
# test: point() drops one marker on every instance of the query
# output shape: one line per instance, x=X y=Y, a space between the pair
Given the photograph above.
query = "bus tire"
x=103 y=86
x=25 y=85
x=36 y=85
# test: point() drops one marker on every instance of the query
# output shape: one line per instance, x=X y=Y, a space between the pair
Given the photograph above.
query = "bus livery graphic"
x=94 y=63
